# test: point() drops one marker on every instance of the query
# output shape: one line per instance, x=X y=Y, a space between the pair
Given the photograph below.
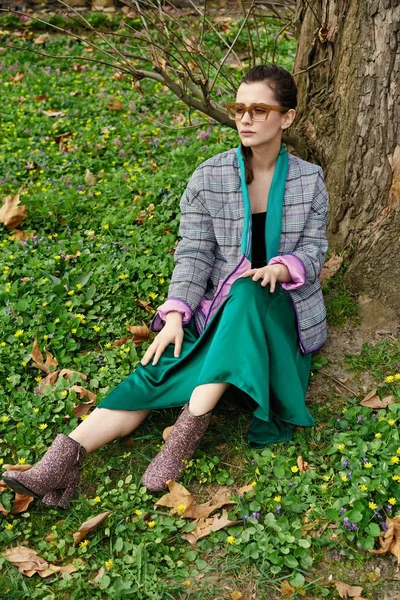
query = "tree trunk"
x=349 y=115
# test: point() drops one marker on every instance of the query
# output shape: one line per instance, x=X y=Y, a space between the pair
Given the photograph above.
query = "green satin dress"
x=251 y=342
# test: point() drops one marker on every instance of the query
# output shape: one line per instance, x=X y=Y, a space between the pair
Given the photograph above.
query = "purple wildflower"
x=255 y=515
x=359 y=419
x=342 y=511
x=345 y=462
x=277 y=510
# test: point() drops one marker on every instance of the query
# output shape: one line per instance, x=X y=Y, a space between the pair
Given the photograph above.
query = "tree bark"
x=349 y=115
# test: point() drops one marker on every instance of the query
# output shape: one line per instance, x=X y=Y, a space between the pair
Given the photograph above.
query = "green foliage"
x=100 y=244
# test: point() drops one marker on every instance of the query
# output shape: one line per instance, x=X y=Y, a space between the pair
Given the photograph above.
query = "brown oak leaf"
x=12 y=213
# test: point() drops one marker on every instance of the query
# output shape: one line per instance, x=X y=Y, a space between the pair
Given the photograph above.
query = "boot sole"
x=19 y=488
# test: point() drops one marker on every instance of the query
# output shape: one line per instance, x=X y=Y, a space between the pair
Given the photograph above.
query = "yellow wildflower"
x=97 y=499
x=9 y=527
x=395 y=459
x=363 y=487
x=19 y=333
x=277 y=498
x=368 y=465
x=109 y=564
x=64 y=394
x=187 y=583
x=230 y=539
x=21 y=461
x=372 y=505
x=181 y=507
x=294 y=469
x=151 y=524
x=378 y=435
x=138 y=512
x=341 y=446
x=397 y=377
x=344 y=478
x=392 y=422
x=42 y=426
x=389 y=379
x=84 y=544
x=78 y=286
x=96 y=328
x=392 y=501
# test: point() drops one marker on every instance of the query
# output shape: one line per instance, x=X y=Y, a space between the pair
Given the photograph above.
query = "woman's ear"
x=288 y=118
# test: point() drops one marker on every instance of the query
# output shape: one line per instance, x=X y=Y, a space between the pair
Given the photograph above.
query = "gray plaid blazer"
x=211 y=253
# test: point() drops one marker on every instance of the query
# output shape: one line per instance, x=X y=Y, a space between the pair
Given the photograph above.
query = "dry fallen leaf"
x=83 y=392
x=302 y=464
x=121 y=341
x=286 y=589
x=145 y=304
x=16 y=468
x=23 y=235
x=167 y=432
x=244 y=489
x=83 y=408
x=3 y=510
x=140 y=332
x=205 y=526
x=115 y=104
x=177 y=496
x=53 y=113
x=98 y=576
x=90 y=179
x=38 y=361
x=42 y=38
x=373 y=401
x=20 y=75
x=50 y=379
x=12 y=213
x=237 y=596
x=390 y=540
x=28 y=562
x=67 y=374
x=348 y=591
x=88 y=525
x=21 y=503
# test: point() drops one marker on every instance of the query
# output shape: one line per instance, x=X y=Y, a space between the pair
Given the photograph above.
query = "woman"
x=244 y=309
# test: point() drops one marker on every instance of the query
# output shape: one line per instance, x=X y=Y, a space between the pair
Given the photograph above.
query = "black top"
x=259 y=254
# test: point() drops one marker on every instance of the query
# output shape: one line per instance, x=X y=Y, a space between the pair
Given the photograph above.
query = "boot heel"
x=70 y=490
x=52 y=498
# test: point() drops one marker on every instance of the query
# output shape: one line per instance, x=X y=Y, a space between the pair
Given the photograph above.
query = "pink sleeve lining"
x=174 y=304
x=296 y=269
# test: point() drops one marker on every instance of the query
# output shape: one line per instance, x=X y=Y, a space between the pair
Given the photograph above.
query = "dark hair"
x=285 y=91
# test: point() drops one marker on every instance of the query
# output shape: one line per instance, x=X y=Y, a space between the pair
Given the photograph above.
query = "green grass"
x=124 y=226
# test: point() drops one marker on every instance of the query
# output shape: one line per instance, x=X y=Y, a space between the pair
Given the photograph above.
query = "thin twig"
x=337 y=381
x=253 y=57
x=311 y=66
x=229 y=50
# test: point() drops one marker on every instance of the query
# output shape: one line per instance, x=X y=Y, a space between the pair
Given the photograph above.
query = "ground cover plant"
x=100 y=169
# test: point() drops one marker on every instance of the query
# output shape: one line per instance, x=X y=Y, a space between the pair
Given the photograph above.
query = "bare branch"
x=251 y=46
x=229 y=50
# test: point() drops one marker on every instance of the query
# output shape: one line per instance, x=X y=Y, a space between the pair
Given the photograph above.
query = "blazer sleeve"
x=194 y=257
x=312 y=245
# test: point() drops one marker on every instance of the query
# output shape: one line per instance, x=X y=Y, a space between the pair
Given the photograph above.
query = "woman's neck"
x=263 y=159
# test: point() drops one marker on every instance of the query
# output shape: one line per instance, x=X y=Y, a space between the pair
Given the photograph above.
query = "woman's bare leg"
x=104 y=425
x=205 y=397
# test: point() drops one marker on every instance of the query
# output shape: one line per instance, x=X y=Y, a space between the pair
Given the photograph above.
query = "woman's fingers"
x=148 y=354
x=159 y=351
x=178 y=345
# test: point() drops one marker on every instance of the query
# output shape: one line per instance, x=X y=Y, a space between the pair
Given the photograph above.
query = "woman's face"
x=259 y=133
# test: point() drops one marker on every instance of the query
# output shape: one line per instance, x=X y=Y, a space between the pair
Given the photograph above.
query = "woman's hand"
x=171 y=333
x=270 y=274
